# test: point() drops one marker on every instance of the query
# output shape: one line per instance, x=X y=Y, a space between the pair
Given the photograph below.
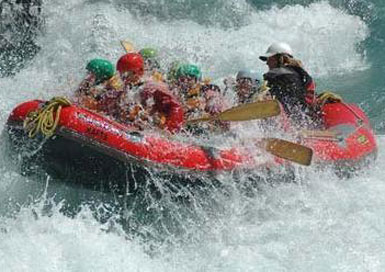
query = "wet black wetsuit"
x=289 y=86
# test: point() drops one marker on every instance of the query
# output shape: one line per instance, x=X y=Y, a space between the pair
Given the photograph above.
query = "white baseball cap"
x=277 y=48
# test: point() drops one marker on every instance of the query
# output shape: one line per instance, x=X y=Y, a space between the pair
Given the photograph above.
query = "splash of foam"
x=278 y=229
x=323 y=37
x=33 y=241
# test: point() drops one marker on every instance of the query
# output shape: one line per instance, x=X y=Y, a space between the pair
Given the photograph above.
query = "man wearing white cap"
x=289 y=82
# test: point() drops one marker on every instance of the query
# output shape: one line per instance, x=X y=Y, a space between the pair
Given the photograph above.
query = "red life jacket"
x=108 y=102
x=310 y=95
x=165 y=104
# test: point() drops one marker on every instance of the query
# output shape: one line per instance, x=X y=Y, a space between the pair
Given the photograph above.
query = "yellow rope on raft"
x=46 y=119
x=329 y=96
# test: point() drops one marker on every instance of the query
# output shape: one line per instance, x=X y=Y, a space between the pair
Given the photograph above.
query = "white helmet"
x=251 y=74
x=277 y=48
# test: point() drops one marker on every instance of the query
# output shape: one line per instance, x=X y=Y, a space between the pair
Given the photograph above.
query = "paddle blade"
x=128 y=46
x=251 y=111
x=289 y=151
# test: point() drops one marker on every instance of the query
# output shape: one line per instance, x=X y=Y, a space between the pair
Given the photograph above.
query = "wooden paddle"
x=289 y=151
x=245 y=112
x=128 y=46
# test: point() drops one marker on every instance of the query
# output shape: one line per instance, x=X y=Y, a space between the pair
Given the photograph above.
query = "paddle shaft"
x=128 y=46
x=245 y=112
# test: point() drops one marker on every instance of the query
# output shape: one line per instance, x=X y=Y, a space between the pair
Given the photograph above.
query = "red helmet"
x=131 y=62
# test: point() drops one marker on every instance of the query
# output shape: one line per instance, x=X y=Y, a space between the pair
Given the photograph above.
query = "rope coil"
x=329 y=96
x=45 y=119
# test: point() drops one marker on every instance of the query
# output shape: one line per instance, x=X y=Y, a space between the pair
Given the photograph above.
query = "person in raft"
x=247 y=85
x=101 y=88
x=171 y=74
x=187 y=85
x=289 y=83
x=164 y=109
x=214 y=103
x=131 y=70
x=152 y=68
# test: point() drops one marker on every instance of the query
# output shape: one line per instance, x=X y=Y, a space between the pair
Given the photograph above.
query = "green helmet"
x=102 y=69
x=188 y=70
x=148 y=53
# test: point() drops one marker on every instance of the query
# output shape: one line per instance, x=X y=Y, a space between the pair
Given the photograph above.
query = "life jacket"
x=193 y=102
x=213 y=106
x=254 y=91
x=109 y=98
x=157 y=76
x=291 y=85
x=310 y=96
x=214 y=100
x=166 y=105
x=102 y=97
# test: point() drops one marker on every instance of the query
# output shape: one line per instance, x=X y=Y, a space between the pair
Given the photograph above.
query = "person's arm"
x=263 y=93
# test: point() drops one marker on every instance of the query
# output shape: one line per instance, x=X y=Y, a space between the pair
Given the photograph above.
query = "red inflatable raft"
x=88 y=142
x=348 y=143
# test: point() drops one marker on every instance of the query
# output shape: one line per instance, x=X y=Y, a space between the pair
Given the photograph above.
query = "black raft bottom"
x=74 y=160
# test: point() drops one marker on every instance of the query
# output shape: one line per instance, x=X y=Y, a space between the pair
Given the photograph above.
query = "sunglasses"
x=244 y=81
